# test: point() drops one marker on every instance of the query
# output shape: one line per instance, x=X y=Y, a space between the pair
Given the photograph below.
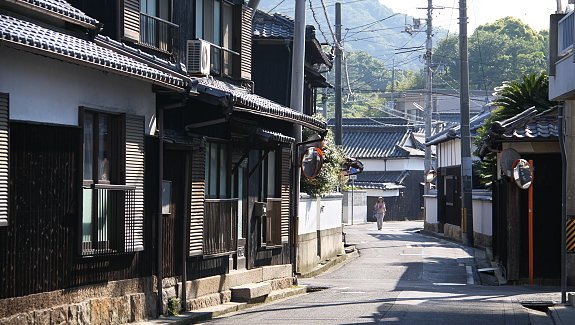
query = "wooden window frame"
x=227 y=169
x=267 y=240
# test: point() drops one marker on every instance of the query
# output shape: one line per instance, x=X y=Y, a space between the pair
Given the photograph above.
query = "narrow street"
x=403 y=277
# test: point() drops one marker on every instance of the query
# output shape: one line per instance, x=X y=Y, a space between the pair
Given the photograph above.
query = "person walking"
x=379 y=209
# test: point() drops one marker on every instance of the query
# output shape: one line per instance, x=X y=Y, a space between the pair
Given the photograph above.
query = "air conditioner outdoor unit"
x=198 y=53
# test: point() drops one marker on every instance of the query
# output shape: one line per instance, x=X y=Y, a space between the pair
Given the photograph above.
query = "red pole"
x=530 y=226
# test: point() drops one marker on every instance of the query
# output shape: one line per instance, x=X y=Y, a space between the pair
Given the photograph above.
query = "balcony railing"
x=220 y=226
x=109 y=211
x=156 y=32
x=565 y=34
x=222 y=60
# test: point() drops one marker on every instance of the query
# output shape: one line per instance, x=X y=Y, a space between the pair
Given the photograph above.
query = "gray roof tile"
x=36 y=39
x=530 y=125
x=378 y=138
x=244 y=100
x=272 y=26
x=475 y=123
x=59 y=8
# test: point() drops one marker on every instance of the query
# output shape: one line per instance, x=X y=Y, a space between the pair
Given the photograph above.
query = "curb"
x=339 y=261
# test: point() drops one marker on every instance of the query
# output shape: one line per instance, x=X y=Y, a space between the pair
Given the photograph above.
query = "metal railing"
x=109 y=211
x=221 y=60
x=220 y=226
x=157 y=32
x=565 y=37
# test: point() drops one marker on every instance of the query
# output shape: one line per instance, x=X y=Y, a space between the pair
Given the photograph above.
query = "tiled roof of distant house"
x=455 y=132
x=32 y=38
x=278 y=26
x=379 y=138
x=60 y=9
x=381 y=180
x=245 y=101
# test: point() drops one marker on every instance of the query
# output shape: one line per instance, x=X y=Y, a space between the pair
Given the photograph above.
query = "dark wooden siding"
x=244 y=45
x=4 y=159
x=406 y=206
x=272 y=72
x=39 y=248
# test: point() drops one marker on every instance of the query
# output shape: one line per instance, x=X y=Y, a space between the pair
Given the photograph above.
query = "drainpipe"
x=160 y=248
x=254 y=5
x=563 y=203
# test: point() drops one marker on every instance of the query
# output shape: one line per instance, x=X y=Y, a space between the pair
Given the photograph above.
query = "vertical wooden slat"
x=285 y=194
x=131 y=20
x=134 y=221
x=243 y=43
x=4 y=156
x=197 y=198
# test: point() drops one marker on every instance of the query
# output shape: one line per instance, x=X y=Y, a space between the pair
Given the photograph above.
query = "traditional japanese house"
x=446 y=215
x=393 y=164
x=272 y=57
x=533 y=136
x=138 y=159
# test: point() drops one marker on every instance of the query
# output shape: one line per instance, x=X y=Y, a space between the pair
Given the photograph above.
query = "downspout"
x=254 y=5
x=160 y=248
x=563 y=202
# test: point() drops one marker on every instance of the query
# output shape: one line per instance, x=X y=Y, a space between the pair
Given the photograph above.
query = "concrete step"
x=251 y=291
x=205 y=314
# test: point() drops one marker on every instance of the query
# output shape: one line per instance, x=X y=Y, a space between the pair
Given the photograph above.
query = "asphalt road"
x=400 y=277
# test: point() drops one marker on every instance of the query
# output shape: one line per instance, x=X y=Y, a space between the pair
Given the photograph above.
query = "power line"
x=317 y=22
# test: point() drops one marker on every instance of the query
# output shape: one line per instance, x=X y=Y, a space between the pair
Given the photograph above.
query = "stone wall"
x=330 y=243
x=307 y=252
x=114 y=302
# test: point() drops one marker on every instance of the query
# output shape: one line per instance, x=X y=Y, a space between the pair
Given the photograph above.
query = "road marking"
x=414 y=254
x=448 y=284
x=469 y=274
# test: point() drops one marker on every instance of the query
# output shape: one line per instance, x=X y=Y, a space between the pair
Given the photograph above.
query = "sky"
x=533 y=12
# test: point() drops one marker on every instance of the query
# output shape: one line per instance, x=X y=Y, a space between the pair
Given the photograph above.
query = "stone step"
x=251 y=291
x=205 y=314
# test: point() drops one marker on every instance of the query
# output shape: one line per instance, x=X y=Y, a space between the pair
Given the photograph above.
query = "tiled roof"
x=274 y=136
x=245 y=101
x=528 y=126
x=59 y=8
x=382 y=176
x=32 y=38
x=377 y=122
x=373 y=144
x=272 y=26
x=455 y=132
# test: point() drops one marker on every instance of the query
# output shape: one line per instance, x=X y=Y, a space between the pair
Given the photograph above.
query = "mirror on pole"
x=522 y=173
x=311 y=162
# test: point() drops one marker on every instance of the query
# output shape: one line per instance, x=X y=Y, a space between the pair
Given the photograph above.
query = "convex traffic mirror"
x=522 y=173
x=311 y=162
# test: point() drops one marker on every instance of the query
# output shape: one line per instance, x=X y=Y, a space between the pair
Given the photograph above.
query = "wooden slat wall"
x=131 y=20
x=4 y=158
x=135 y=176
x=197 y=198
x=285 y=193
x=246 y=44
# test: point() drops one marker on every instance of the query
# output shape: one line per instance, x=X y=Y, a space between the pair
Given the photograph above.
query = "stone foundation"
x=431 y=227
x=115 y=302
x=481 y=240
x=452 y=231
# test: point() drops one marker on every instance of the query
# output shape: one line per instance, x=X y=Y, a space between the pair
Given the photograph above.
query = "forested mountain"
x=367 y=25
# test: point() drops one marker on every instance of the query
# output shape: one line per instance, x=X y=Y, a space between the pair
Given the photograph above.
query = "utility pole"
x=296 y=102
x=428 y=81
x=324 y=103
x=338 y=136
x=392 y=83
x=466 y=169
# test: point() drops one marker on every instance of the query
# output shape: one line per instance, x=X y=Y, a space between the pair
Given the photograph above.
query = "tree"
x=512 y=98
x=504 y=50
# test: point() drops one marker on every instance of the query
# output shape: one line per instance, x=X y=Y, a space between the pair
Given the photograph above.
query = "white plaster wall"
x=331 y=208
x=562 y=85
x=308 y=215
x=392 y=164
x=449 y=153
x=50 y=91
x=482 y=216
x=384 y=193
x=430 y=203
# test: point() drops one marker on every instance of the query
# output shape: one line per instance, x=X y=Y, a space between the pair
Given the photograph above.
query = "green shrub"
x=174 y=306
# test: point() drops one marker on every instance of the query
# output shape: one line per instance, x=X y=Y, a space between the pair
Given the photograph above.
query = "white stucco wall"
x=319 y=213
x=392 y=164
x=384 y=193
x=51 y=91
x=430 y=204
x=482 y=216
